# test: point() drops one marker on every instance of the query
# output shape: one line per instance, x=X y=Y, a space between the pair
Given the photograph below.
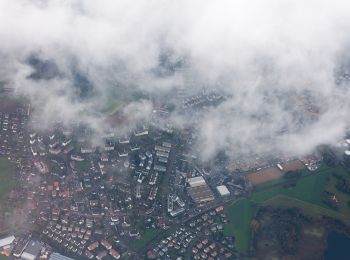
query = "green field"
x=240 y=214
x=309 y=209
x=147 y=237
x=309 y=189
x=83 y=166
x=343 y=198
x=7 y=179
x=305 y=195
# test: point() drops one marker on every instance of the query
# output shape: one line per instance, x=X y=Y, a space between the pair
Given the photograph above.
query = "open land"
x=7 y=183
x=273 y=173
x=305 y=193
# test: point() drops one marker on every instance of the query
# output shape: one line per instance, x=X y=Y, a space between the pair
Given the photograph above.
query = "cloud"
x=274 y=60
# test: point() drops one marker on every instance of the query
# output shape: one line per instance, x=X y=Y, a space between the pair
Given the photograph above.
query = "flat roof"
x=222 y=189
x=57 y=256
x=33 y=249
x=201 y=193
x=196 y=181
x=7 y=241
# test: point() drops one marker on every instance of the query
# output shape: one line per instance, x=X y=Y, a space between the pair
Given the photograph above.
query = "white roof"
x=7 y=241
x=222 y=189
x=196 y=181
x=28 y=256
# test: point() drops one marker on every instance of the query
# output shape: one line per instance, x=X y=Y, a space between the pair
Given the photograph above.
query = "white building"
x=196 y=181
x=7 y=241
x=223 y=191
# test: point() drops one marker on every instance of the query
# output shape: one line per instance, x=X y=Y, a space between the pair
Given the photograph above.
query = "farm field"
x=240 y=214
x=305 y=193
x=264 y=175
x=308 y=188
x=274 y=174
x=344 y=198
x=309 y=209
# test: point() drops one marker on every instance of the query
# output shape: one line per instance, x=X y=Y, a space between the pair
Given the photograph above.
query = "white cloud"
x=265 y=54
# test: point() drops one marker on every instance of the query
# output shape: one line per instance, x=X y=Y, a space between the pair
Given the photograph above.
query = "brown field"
x=272 y=173
x=264 y=175
x=293 y=165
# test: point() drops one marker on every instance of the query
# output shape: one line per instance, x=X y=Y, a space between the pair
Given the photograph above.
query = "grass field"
x=147 y=237
x=309 y=209
x=305 y=195
x=343 y=198
x=83 y=166
x=7 y=179
x=240 y=214
x=309 y=189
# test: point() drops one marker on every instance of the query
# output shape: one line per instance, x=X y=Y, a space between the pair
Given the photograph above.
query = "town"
x=141 y=195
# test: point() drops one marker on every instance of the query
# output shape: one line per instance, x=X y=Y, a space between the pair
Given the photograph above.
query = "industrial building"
x=199 y=190
x=223 y=191
x=32 y=250
x=7 y=241
x=57 y=256
x=196 y=181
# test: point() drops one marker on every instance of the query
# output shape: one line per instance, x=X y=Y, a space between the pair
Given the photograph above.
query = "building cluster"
x=92 y=202
x=174 y=245
x=206 y=249
x=205 y=228
x=25 y=247
x=210 y=222
x=12 y=131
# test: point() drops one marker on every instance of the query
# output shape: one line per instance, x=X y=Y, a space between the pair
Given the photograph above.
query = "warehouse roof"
x=196 y=181
x=223 y=191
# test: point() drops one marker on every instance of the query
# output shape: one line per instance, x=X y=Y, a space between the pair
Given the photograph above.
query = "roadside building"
x=223 y=191
x=57 y=256
x=199 y=190
x=32 y=250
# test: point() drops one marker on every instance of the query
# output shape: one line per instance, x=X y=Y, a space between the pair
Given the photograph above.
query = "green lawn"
x=7 y=178
x=309 y=209
x=305 y=195
x=240 y=214
x=343 y=198
x=83 y=166
x=147 y=237
x=309 y=189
